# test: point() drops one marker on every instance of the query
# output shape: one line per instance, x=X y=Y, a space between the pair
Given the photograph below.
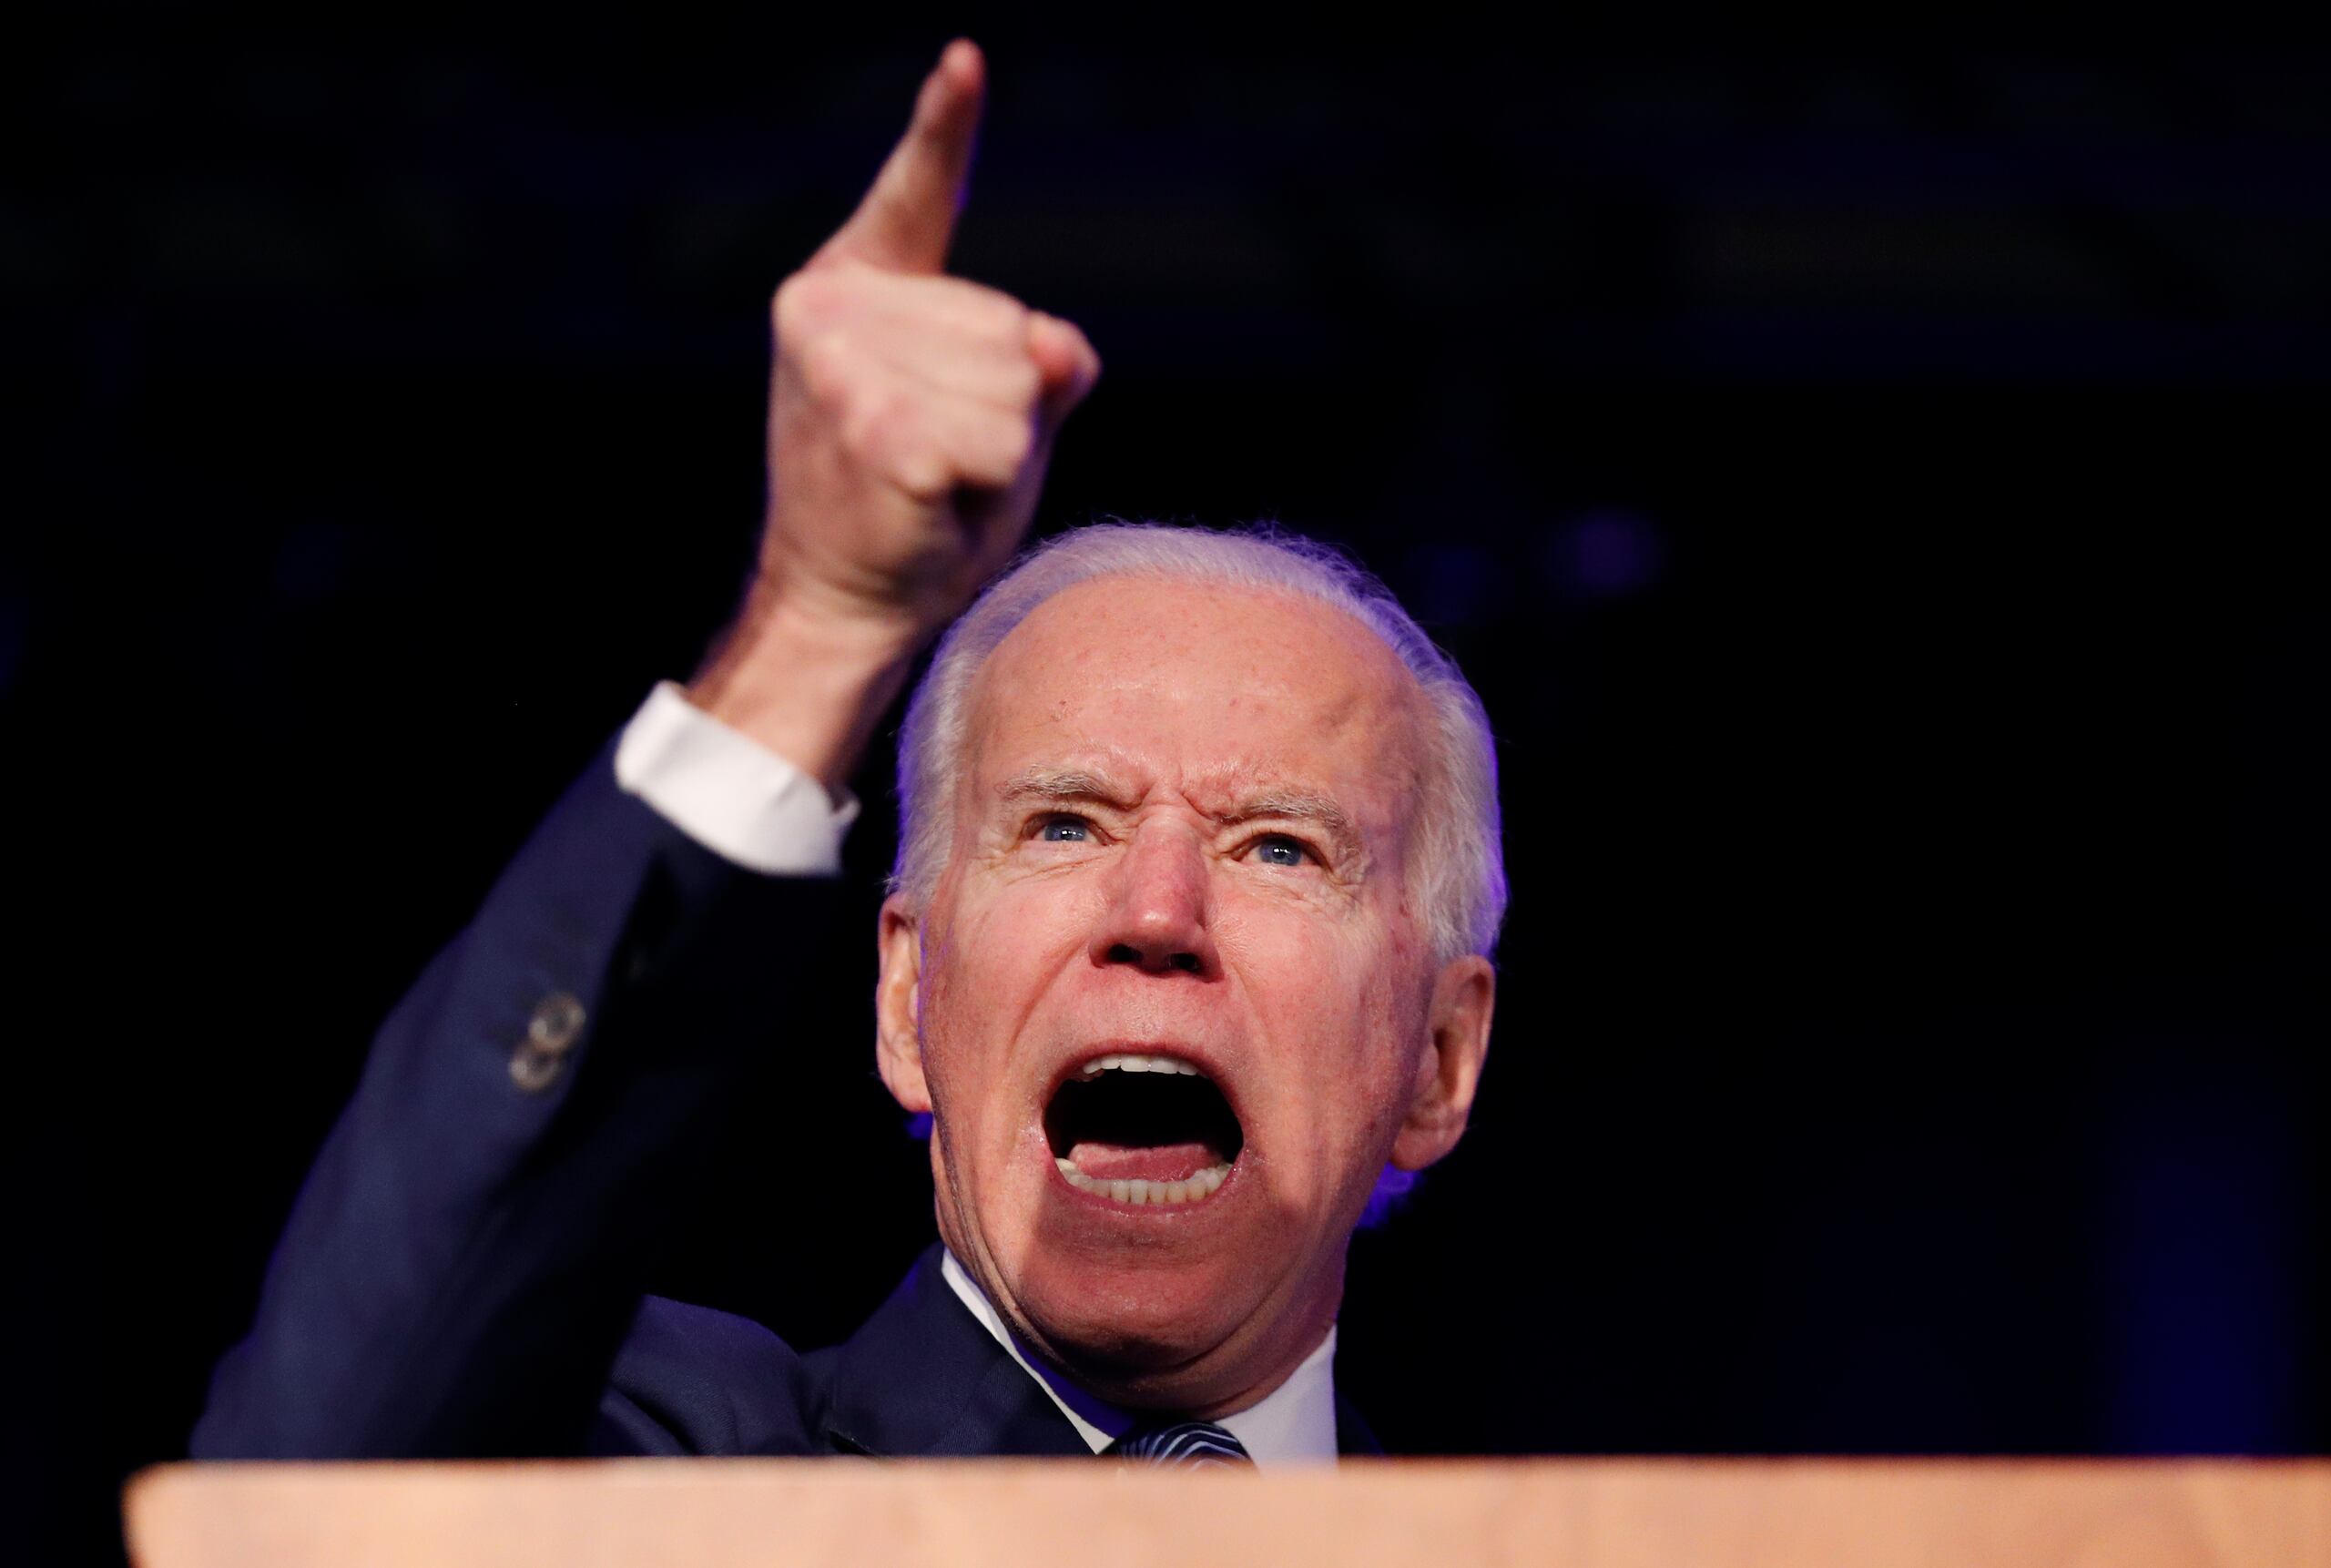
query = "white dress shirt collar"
x=1294 y=1423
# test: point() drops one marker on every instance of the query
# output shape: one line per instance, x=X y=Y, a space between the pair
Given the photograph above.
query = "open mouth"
x=1142 y=1130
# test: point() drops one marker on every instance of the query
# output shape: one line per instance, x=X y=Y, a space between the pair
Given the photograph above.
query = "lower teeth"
x=1192 y=1189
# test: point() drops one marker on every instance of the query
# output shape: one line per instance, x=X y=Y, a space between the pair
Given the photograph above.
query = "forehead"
x=1195 y=684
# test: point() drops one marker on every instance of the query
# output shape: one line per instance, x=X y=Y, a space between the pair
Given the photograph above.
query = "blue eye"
x=1064 y=831
x=1280 y=850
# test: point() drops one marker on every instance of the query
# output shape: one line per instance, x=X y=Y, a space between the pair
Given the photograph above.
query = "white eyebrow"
x=1063 y=784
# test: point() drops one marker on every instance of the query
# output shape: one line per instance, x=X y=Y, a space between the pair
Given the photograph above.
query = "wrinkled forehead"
x=1206 y=689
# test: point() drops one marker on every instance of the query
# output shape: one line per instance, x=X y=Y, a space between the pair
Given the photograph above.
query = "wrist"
x=806 y=684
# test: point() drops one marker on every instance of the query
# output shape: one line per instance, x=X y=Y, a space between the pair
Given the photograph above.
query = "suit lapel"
x=924 y=1377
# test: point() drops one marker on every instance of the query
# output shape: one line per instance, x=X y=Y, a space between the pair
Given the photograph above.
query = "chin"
x=1153 y=1326
x=1133 y=1319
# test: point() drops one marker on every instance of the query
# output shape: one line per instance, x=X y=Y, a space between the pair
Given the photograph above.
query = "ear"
x=898 y=1005
x=1464 y=994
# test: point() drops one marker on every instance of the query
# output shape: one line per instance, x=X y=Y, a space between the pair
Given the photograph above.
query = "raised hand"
x=911 y=415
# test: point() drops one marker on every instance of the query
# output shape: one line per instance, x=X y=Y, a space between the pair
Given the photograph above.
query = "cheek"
x=947 y=1008
x=1292 y=965
x=1358 y=971
x=984 y=967
x=1343 y=1010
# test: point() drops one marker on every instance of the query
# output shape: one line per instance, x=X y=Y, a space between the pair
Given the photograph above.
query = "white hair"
x=1457 y=871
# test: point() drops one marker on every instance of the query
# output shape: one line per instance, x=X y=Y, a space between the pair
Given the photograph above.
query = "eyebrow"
x=1063 y=784
x=1300 y=806
x=1071 y=784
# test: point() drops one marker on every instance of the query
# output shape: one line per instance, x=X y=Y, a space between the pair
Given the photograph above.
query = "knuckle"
x=794 y=304
x=825 y=361
x=1008 y=320
x=888 y=433
x=987 y=313
x=915 y=462
x=816 y=297
x=925 y=474
x=872 y=425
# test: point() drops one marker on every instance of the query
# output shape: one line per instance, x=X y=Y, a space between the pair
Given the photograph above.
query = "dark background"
x=1875 y=489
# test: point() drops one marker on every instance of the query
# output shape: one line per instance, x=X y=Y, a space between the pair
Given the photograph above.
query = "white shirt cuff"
x=732 y=795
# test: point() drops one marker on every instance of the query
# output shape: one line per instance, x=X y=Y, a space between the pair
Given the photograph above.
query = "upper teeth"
x=1123 y=1063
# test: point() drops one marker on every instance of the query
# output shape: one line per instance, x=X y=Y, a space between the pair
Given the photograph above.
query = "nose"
x=1158 y=918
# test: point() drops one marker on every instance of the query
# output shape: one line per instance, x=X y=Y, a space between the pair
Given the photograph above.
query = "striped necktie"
x=1182 y=1444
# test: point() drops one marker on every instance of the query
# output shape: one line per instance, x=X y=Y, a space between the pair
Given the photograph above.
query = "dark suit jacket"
x=461 y=1275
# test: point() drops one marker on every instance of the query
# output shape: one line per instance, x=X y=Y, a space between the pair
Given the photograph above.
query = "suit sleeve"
x=466 y=1258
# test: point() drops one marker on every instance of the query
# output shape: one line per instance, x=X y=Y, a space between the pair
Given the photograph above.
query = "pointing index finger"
x=908 y=216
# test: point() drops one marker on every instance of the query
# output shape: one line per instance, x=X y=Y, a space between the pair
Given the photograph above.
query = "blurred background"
x=1876 y=489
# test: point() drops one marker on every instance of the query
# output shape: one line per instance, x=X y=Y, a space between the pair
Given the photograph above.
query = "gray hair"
x=1459 y=869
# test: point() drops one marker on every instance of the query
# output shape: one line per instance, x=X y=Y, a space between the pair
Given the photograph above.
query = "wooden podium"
x=1582 y=1513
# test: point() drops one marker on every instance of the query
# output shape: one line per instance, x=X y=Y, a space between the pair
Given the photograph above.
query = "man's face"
x=1182 y=838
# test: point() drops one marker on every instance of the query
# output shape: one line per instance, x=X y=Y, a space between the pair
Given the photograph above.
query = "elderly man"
x=1185 y=948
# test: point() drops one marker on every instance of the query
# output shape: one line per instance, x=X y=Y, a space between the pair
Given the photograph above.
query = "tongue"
x=1144 y=1162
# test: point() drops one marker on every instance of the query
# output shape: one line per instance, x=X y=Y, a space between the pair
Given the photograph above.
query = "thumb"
x=1067 y=364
